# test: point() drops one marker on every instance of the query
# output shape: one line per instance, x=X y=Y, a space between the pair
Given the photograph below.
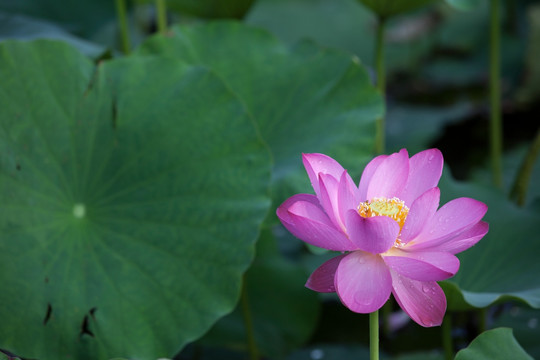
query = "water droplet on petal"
x=426 y=321
x=425 y=288
x=363 y=299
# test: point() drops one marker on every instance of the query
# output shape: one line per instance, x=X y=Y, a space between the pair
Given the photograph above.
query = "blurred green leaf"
x=303 y=99
x=213 y=9
x=512 y=160
x=348 y=26
x=420 y=355
x=324 y=351
x=416 y=127
x=130 y=206
x=525 y=323
x=283 y=310
x=496 y=344
x=26 y=28
x=80 y=17
x=531 y=89
x=390 y=8
x=465 y=5
x=503 y=265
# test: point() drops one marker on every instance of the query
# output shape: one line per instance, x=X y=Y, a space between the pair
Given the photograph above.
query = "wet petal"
x=422 y=266
x=283 y=210
x=423 y=301
x=328 y=188
x=425 y=169
x=308 y=225
x=363 y=282
x=348 y=196
x=464 y=240
x=322 y=279
x=390 y=176
x=305 y=219
x=449 y=221
x=316 y=164
x=374 y=234
x=421 y=211
x=367 y=174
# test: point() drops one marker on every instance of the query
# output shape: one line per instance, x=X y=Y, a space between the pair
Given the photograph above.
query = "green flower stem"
x=521 y=183
x=386 y=311
x=495 y=93
x=448 y=344
x=374 y=335
x=248 y=323
x=122 y=25
x=381 y=82
x=161 y=8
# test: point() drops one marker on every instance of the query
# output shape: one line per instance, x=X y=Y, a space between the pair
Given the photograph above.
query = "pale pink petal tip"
x=316 y=164
x=449 y=222
x=389 y=177
x=425 y=169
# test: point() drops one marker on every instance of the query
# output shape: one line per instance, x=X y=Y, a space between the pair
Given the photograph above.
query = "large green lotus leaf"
x=389 y=8
x=496 y=344
x=504 y=264
x=303 y=98
x=283 y=311
x=131 y=196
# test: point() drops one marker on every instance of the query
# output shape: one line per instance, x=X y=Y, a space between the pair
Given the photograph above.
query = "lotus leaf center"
x=79 y=210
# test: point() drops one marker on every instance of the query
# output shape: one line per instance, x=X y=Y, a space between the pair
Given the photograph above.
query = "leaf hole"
x=85 y=327
x=114 y=113
x=47 y=314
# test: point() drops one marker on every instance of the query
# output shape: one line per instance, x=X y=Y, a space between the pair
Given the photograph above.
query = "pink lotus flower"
x=393 y=238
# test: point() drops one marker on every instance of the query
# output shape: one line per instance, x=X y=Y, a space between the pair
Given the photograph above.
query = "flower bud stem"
x=161 y=9
x=248 y=323
x=122 y=25
x=381 y=82
x=523 y=177
x=448 y=344
x=495 y=93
